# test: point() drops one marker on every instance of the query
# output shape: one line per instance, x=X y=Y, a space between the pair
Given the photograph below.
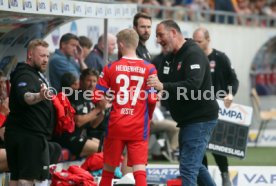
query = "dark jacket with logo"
x=223 y=75
x=187 y=79
x=37 y=119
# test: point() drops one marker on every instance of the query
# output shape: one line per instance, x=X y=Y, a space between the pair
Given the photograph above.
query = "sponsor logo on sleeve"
x=22 y=84
x=196 y=66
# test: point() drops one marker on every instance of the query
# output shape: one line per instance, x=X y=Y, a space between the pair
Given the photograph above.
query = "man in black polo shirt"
x=142 y=25
x=30 y=122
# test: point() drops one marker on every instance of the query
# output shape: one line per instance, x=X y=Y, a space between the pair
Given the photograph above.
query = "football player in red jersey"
x=132 y=107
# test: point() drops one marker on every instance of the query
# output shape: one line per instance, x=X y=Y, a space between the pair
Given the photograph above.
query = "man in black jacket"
x=31 y=120
x=142 y=25
x=185 y=78
x=223 y=78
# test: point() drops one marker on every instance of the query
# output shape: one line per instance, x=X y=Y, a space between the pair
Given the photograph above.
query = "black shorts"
x=73 y=143
x=55 y=152
x=28 y=156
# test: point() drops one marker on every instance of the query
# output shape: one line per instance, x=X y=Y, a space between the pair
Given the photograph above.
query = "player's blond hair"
x=35 y=43
x=129 y=37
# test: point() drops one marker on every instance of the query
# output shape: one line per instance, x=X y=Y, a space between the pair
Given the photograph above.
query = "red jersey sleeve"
x=152 y=93
x=102 y=86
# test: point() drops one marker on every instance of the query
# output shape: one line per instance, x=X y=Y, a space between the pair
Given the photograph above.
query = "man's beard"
x=39 y=68
x=167 y=50
x=144 y=38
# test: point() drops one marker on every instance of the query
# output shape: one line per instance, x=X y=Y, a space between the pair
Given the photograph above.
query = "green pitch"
x=255 y=156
